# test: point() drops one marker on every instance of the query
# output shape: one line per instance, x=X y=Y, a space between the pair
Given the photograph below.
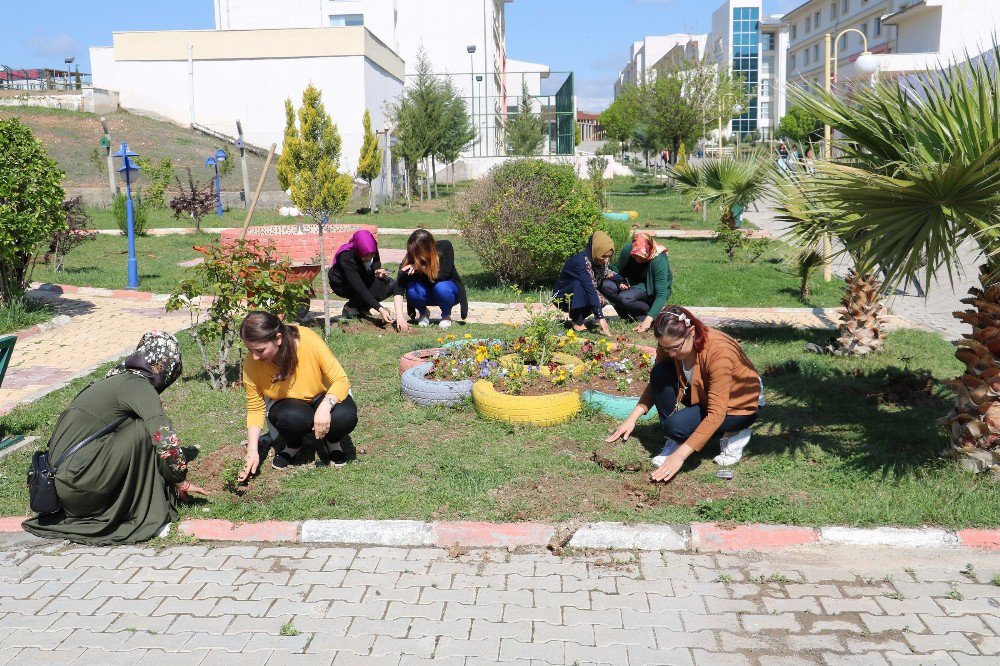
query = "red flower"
x=157 y=436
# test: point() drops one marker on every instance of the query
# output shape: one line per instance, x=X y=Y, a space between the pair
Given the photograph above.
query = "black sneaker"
x=283 y=459
x=338 y=458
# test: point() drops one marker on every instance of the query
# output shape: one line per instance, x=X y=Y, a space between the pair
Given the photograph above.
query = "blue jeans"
x=444 y=294
x=679 y=424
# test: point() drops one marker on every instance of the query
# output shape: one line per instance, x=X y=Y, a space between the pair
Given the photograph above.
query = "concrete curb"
x=702 y=537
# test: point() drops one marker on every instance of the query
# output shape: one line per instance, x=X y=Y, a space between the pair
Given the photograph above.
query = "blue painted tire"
x=459 y=343
x=618 y=217
x=422 y=391
x=616 y=406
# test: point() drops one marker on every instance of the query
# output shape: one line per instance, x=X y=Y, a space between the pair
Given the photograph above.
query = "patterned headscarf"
x=644 y=248
x=155 y=348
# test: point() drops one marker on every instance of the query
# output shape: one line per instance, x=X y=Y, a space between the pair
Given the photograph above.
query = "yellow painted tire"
x=540 y=410
x=632 y=215
x=508 y=361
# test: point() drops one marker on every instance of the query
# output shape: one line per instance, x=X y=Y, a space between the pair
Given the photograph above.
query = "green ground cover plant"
x=23 y=313
x=841 y=441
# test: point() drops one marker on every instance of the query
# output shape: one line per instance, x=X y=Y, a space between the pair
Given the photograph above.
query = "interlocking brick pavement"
x=265 y=604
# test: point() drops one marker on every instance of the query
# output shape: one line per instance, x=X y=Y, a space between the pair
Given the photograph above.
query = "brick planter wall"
x=300 y=248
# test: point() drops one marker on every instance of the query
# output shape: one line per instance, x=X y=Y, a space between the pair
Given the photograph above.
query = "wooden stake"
x=260 y=186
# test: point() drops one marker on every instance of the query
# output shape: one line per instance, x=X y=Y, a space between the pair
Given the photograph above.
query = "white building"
x=643 y=55
x=751 y=45
x=461 y=38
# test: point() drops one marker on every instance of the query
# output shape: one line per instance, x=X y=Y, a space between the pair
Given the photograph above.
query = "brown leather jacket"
x=723 y=378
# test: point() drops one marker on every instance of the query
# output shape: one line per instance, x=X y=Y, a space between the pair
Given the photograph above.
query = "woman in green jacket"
x=646 y=284
x=123 y=487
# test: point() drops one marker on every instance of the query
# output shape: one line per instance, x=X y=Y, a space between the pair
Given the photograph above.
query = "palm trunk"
x=863 y=315
x=974 y=423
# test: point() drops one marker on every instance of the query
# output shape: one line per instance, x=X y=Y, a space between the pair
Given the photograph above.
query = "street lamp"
x=471 y=48
x=127 y=169
x=213 y=161
x=68 y=61
x=866 y=63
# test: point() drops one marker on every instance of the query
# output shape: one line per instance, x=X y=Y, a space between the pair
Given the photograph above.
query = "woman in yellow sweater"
x=293 y=369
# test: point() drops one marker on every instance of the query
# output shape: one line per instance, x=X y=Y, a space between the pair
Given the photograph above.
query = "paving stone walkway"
x=250 y=604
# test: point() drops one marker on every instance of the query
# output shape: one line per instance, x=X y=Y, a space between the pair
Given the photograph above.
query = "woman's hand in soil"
x=386 y=315
x=579 y=328
x=186 y=489
x=624 y=431
x=401 y=325
x=669 y=468
x=605 y=329
x=644 y=325
x=252 y=463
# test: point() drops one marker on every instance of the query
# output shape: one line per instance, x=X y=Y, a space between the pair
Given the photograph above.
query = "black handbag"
x=42 y=475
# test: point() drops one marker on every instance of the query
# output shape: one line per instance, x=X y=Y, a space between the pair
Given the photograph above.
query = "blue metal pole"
x=133 y=266
x=218 y=188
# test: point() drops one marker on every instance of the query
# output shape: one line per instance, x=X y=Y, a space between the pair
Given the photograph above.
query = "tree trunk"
x=863 y=315
x=974 y=422
x=322 y=277
x=371 y=197
x=434 y=170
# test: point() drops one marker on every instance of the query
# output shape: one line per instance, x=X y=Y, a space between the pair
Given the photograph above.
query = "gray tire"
x=421 y=391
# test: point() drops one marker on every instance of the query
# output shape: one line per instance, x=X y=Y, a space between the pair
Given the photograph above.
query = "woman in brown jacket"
x=707 y=372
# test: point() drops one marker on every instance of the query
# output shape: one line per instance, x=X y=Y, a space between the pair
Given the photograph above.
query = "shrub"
x=196 y=201
x=240 y=277
x=158 y=176
x=119 y=212
x=526 y=217
x=31 y=204
x=596 y=167
x=620 y=232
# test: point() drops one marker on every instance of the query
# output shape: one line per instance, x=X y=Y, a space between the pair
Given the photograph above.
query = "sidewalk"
x=254 y=604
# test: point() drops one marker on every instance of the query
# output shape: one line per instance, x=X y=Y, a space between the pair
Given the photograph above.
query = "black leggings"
x=632 y=303
x=379 y=289
x=294 y=420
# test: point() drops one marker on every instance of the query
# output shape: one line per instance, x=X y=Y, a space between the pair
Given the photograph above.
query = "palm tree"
x=919 y=173
x=727 y=182
x=812 y=219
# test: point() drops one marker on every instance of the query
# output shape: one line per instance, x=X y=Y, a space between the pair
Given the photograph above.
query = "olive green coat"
x=116 y=489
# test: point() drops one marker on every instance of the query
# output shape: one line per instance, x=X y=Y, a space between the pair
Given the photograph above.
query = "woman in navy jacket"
x=577 y=289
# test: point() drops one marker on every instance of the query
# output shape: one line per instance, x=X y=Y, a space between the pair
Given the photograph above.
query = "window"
x=878 y=27
x=765 y=87
x=745 y=61
x=791 y=62
x=816 y=21
x=846 y=7
x=843 y=41
x=767 y=67
x=833 y=10
x=343 y=20
x=768 y=41
x=795 y=30
x=864 y=28
x=809 y=23
x=765 y=109
x=805 y=57
x=815 y=52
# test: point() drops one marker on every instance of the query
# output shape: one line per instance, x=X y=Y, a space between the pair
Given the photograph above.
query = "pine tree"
x=460 y=131
x=288 y=148
x=311 y=161
x=526 y=131
x=370 y=160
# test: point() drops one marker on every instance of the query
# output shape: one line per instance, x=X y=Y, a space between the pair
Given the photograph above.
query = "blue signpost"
x=213 y=161
x=127 y=170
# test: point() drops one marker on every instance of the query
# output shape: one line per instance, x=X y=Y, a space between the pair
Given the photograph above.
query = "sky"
x=588 y=37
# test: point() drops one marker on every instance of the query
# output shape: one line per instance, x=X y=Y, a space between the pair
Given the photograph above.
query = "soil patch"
x=213 y=470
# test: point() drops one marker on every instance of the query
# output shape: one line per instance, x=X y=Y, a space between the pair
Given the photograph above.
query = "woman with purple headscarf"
x=358 y=276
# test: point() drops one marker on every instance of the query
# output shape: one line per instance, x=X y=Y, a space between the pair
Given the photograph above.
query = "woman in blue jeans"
x=428 y=278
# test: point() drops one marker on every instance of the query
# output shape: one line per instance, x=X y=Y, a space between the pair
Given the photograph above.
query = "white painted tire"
x=421 y=391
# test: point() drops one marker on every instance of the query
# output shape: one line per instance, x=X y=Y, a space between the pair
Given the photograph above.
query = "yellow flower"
x=440 y=340
x=468 y=337
x=449 y=337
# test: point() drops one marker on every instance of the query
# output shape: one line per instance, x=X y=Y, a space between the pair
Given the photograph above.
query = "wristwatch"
x=331 y=401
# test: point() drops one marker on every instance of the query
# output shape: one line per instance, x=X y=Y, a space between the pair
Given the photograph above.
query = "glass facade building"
x=746 y=56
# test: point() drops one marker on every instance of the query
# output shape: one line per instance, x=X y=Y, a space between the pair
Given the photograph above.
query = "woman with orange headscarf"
x=644 y=266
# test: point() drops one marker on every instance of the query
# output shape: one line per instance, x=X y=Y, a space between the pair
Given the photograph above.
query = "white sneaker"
x=669 y=446
x=445 y=323
x=424 y=322
x=732 y=448
x=351 y=312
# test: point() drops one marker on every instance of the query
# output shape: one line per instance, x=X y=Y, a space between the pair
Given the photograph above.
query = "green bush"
x=620 y=232
x=119 y=211
x=158 y=176
x=31 y=205
x=525 y=217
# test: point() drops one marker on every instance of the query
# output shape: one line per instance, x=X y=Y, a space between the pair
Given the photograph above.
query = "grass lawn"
x=23 y=314
x=842 y=441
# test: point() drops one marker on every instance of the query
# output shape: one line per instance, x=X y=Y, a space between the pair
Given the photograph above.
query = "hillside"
x=71 y=138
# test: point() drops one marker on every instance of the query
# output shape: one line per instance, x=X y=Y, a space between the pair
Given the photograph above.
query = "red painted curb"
x=12 y=524
x=492 y=534
x=711 y=537
x=223 y=530
x=989 y=539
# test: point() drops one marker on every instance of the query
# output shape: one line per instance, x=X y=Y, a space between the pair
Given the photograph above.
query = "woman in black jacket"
x=428 y=277
x=358 y=276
